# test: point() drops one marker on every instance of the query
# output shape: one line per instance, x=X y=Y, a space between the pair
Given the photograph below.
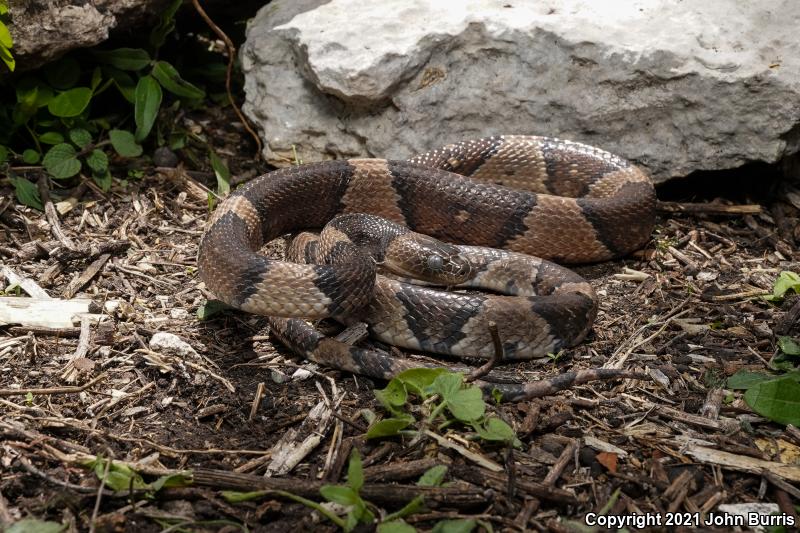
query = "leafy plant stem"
x=89 y=147
x=313 y=505
x=34 y=137
x=437 y=411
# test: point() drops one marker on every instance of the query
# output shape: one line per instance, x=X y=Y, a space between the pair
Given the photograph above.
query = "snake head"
x=418 y=256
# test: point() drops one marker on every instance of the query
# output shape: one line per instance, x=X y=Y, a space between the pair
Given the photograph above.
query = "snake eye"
x=435 y=262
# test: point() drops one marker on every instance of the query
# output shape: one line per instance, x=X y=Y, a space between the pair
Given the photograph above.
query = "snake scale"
x=559 y=200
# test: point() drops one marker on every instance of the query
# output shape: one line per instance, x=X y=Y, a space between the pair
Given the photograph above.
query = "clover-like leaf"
x=788 y=345
x=30 y=156
x=393 y=396
x=27 y=193
x=417 y=380
x=389 y=427
x=97 y=160
x=466 y=404
x=70 y=103
x=80 y=137
x=61 y=161
x=495 y=429
x=125 y=143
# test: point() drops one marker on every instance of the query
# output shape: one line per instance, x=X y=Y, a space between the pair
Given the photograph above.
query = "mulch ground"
x=686 y=310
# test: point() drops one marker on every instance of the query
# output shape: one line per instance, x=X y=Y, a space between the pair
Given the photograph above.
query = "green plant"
x=448 y=400
x=785 y=282
x=776 y=397
x=69 y=115
x=119 y=476
x=348 y=495
x=6 y=42
x=357 y=509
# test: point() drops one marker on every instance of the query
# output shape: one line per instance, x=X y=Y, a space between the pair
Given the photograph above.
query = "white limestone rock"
x=674 y=86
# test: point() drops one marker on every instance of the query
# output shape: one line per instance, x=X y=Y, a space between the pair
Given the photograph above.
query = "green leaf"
x=433 y=477
x=781 y=362
x=103 y=180
x=744 y=379
x=495 y=429
x=395 y=526
x=788 y=346
x=232 y=496
x=166 y=23
x=125 y=143
x=777 y=400
x=147 y=102
x=222 y=173
x=30 y=156
x=355 y=471
x=464 y=525
x=3 y=154
x=97 y=78
x=80 y=137
x=339 y=494
x=417 y=380
x=97 y=160
x=210 y=309
x=34 y=92
x=389 y=427
x=786 y=281
x=70 y=103
x=393 y=396
x=179 y=479
x=446 y=385
x=416 y=505
x=5 y=36
x=27 y=193
x=51 y=137
x=117 y=475
x=34 y=525
x=171 y=80
x=5 y=54
x=64 y=73
x=497 y=395
x=351 y=521
x=124 y=83
x=467 y=404
x=124 y=58
x=61 y=161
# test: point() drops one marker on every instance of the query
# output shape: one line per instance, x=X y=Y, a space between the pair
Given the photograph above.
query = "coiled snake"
x=560 y=200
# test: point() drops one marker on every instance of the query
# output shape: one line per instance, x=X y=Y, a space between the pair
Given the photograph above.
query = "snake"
x=517 y=207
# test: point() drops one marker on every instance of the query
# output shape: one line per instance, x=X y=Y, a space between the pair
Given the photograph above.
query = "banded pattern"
x=570 y=203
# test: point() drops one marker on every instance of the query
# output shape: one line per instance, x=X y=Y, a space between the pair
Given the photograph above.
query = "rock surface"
x=44 y=30
x=674 y=86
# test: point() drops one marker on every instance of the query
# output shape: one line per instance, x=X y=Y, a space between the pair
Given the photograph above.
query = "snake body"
x=555 y=199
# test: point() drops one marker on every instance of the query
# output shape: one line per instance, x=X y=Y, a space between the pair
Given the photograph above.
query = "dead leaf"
x=608 y=460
